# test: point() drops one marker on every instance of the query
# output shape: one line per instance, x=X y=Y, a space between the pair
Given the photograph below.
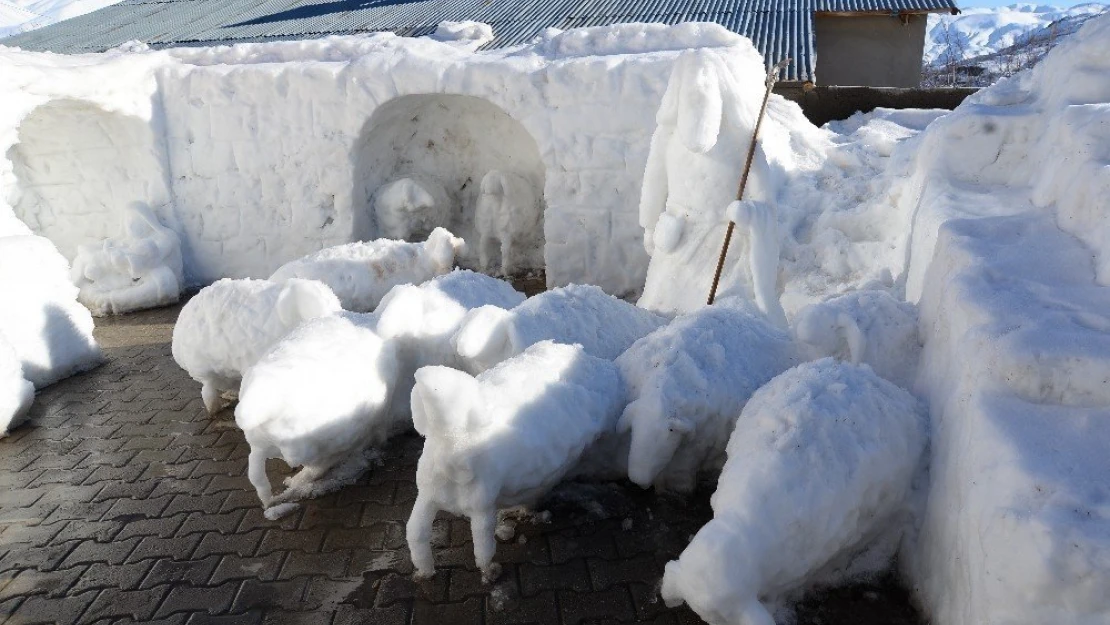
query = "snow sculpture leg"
x=418 y=533
x=213 y=401
x=256 y=473
x=483 y=528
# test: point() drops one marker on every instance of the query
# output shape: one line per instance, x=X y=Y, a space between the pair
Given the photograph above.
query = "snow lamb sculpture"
x=411 y=207
x=504 y=438
x=821 y=462
x=871 y=327
x=226 y=327
x=604 y=325
x=16 y=393
x=508 y=210
x=319 y=397
x=420 y=321
x=141 y=269
x=687 y=383
x=360 y=274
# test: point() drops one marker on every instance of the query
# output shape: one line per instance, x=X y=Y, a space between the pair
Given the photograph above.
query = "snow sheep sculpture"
x=504 y=438
x=226 y=327
x=821 y=461
x=688 y=382
x=420 y=321
x=508 y=210
x=141 y=269
x=604 y=325
x=360 y=274
x=317 y=397
x=871 y=327
x=411 y=207
x=16 y=393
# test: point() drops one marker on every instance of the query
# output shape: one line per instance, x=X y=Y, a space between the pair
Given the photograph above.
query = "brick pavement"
x=123 y=502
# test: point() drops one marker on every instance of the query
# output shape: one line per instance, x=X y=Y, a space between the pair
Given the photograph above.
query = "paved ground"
x=121 y=501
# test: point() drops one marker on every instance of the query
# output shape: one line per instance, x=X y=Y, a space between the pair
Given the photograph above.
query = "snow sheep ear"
x=493 y=183
x=302 y=299
x=624 y=423
x=853 y=336
x=442 y=246
x=441 y=399
x=483 y=338
x=701 y=105
x=680 y=425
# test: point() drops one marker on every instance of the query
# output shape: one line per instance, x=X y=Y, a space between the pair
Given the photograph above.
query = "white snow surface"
x=411 y=207
x=16 y=393
x=19 y=16
x=40 y=318
x=361 y=274
x=141 y=268
x=229 y=325
x=687 y=383
x=504 y=438
x=578 y=314
x=318 y=396
x=871 y=327
x=419 y=321
x=820 y=463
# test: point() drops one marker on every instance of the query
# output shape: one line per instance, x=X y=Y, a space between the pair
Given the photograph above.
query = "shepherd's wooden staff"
x=772 y=77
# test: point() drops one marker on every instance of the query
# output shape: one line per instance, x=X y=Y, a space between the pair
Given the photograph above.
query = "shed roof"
x=779 y=28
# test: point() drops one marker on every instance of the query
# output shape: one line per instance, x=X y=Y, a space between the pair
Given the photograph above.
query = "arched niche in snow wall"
x=455 y=139
x=78 y=166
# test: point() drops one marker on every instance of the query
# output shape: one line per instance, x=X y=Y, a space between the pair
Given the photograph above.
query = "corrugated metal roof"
x=779 y=28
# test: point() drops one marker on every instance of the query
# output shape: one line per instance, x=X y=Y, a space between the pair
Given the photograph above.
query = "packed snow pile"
x=229 y=325
x=361 y=274
x=140 y=269
x=504 y=438
x=16 y=393
x=821 y=463
x=319 y=397
x=419 y=321
x=871 y=327
x=688 y=382
x=51 y=333
x=604 y=325
x=20 y=16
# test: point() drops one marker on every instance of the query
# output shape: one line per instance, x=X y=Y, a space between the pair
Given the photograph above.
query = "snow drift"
x=504 y=438
x=16 y=393
x=360 y=274
x=317 y=398
x=688 y=382
x=604 y=325
x=821 y=461
x=229 y=325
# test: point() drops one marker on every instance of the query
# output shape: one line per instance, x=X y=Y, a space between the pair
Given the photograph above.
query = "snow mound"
x=41 y=320
x=821 y=462
x=419 y=322
x=505 y=438
x=318 y=396
x=633 y=38
x=230 y=324
x=604 y=325
x=139 y=270
x=361 y=274
x=688 y=382
x=16 y=393
x=869 y=327
x=468 y=34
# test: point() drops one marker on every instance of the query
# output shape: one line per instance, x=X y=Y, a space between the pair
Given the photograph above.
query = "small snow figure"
x=411 y=207
x=508 y=210
x=141 y=269
x=604 y=325
x=871 y=327
x=420 y=321
x=317 y=397
x=360 y=274
x=16 y=393
x=226 y=327
x=820 y=463
x=688 y=382
x=504 y=438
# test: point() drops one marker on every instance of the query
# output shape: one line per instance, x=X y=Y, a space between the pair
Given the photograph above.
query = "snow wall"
x=260 y=153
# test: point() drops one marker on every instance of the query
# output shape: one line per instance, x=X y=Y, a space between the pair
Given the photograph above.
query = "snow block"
x=821 y=463
x=505 y=438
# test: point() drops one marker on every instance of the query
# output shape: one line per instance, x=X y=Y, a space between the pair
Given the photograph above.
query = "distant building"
x=832 y=42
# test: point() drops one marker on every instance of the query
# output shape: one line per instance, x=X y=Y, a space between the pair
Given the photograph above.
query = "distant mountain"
x=18 y=16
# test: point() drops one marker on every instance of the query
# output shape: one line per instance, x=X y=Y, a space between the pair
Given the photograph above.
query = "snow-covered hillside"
x=981 y=45
x=18 y=16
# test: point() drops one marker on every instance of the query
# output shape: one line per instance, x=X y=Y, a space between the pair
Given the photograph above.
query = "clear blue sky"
x=967 y=4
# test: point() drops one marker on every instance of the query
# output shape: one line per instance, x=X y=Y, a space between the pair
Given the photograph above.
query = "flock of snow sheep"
x=341 y=350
